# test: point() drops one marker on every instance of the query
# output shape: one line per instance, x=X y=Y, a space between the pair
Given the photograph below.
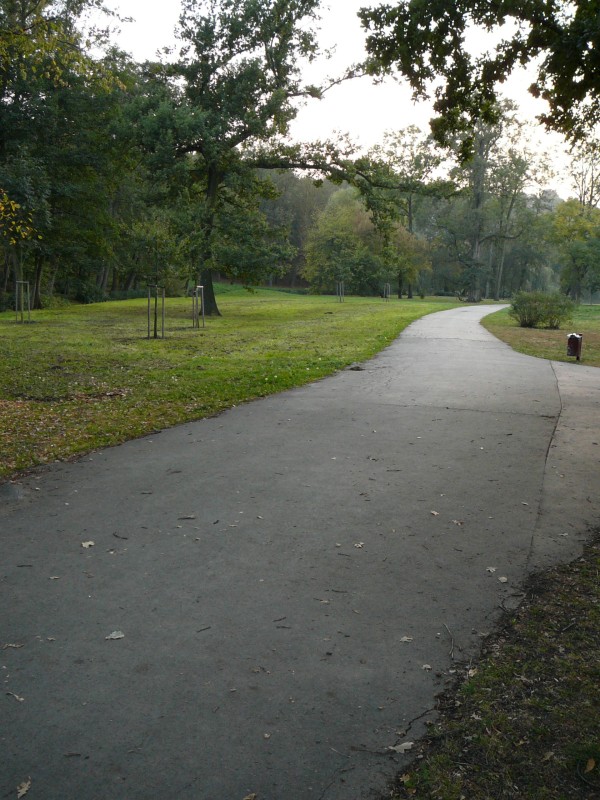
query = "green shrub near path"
x=540 y=310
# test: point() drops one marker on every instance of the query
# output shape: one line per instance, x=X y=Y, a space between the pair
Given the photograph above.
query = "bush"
x=88 y=292
x=54 y=302
x=7 y=302
x=539 y=310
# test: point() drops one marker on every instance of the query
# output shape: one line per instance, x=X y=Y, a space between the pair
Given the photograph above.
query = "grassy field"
x=85 y=377
x=551 y=344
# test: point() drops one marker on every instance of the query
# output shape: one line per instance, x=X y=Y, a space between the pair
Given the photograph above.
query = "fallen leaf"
x=491 y=569
x=115 y=635
x=9 y=644
x=251 y=796
x=188 y=516
x=591 y=764
x=402 y=748
x=426 y=667
x=87 y=545
x=359 y=544
x=16 y=696
x=503 y=580
x=435 y=513
x=458 y=522
x=23 y=788
x=266 y=735
x=406 y=639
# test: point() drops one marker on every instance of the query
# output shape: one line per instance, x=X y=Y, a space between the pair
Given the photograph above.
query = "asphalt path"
x=288 y=585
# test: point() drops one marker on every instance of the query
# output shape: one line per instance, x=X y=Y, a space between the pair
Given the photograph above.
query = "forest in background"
x=115 y=175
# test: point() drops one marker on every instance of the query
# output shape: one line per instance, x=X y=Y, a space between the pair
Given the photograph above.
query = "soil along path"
x=267 y=601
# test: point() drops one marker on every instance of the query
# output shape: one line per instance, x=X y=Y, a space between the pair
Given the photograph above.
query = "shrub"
x=539 y=310
x=7 y=302
x=54 y=302
x=88 y=292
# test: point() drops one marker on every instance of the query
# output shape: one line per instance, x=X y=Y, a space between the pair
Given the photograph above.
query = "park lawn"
x=551 y=344
x=85 y=377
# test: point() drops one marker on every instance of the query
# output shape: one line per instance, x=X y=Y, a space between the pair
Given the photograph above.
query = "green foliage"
x=576 y=233
x=539 y=310
x=345 y=246
x=426 y=43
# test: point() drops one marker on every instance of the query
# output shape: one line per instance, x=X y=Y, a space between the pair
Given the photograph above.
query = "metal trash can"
x=574 y=345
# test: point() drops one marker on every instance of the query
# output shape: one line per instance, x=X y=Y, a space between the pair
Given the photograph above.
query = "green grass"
x=85 y=377
x=551 y=344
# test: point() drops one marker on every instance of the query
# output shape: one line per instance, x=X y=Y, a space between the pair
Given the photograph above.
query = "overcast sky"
x=357 y=107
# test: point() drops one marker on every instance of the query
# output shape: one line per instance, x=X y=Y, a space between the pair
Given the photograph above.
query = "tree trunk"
x=36 y=299
x=6 y=276
x=206 y=273
x=210 y=302
x=400 y=286
x=500 y=270
x=409 y=294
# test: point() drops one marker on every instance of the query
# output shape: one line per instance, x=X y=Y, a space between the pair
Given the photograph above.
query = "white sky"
x=358 y=107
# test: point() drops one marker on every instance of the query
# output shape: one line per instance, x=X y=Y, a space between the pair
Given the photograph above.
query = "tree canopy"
x=427 y=43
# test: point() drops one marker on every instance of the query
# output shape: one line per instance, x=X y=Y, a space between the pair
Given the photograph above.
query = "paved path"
x=283 y=574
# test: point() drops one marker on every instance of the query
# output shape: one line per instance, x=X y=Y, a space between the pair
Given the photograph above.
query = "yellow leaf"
x=591 y=764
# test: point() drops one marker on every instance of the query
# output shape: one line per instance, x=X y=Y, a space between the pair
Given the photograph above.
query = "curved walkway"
x=294 y=579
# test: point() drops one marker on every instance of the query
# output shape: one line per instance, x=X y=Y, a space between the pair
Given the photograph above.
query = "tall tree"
x=408 y=160
x=585 y=172
x=235 y=86
x=51 y=91
x=344 y=245
x=576 y=231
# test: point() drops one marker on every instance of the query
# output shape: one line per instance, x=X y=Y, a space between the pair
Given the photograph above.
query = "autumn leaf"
x=402 y=748
x=23 y=788
x=591 y=765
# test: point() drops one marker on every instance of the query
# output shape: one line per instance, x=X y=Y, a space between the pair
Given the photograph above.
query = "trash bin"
x=574 y=344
